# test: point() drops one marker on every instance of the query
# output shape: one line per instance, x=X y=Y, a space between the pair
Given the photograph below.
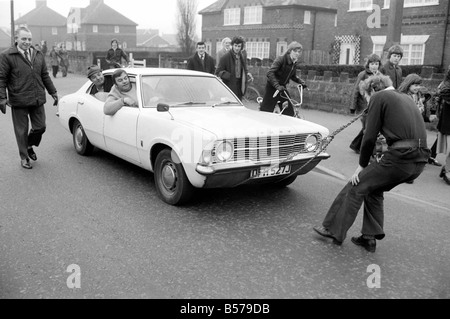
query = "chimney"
x=40 y=3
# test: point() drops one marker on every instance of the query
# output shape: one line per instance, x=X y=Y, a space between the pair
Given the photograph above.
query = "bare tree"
x=186 y=25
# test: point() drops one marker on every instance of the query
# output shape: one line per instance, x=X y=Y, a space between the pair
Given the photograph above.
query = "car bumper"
x=232 y=177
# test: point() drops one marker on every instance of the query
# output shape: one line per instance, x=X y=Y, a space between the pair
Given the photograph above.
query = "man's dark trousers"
x=21 y=118
x=375 y=179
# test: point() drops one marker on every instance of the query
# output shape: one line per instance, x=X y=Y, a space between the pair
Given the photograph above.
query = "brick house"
x=44 y=24
x=424 y=33
x=268 y=26
x=92 y=28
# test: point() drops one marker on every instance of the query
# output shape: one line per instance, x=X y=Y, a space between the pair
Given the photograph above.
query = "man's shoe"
x=433 y=161
x=369 y=244
x=322 y=231
x=32 y=154
x=26 y=163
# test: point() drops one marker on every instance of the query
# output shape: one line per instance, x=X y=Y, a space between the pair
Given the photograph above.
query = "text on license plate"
x=272 y=171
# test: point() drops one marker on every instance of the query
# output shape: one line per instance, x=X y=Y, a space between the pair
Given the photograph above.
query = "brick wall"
x=327 y=93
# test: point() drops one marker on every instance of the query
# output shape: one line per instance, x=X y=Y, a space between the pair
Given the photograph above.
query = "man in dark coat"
x=283 y=69
x=201 y=61
x=394 y=115
x=232 y=68
x=391 y=67
x=23 y=73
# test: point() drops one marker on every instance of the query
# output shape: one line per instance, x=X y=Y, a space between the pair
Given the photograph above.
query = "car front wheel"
x=80 y=140
x=172 y=184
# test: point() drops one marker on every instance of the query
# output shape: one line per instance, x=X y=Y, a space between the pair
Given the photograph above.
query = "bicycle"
x=251 y=95
x=296 y=105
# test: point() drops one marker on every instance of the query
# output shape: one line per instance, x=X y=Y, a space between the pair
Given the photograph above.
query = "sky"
x=154 y=14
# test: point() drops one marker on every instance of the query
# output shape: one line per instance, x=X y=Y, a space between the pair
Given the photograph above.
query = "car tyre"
x=80 y=140
x=285 y=182
x=172 y=184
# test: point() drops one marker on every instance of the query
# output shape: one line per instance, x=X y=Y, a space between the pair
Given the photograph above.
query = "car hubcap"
x=169 y=176
x=79 y=138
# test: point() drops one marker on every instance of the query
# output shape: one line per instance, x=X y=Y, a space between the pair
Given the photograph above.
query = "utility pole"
x=12 y=23
x=394 y=30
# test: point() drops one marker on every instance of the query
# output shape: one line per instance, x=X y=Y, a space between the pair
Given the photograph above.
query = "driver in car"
x=123 y=93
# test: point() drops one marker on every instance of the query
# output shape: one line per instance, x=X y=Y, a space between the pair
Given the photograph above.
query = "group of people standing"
x=59 y=60
x=411 y=85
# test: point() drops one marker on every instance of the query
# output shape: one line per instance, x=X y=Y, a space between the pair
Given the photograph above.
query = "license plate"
x=268 y=172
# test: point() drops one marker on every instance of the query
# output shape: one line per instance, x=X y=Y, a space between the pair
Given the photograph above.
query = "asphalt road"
x=101 y=216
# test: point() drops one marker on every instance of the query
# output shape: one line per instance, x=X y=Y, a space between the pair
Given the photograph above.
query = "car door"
x=120 y=132
x=91 y=116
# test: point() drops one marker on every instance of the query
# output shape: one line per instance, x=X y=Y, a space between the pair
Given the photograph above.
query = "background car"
x=191 y=131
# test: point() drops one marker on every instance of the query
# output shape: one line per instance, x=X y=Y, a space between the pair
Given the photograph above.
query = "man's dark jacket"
x=195 y=64
x=26 y=81
x=283 y=70
x=227 y=72
x=395 y=73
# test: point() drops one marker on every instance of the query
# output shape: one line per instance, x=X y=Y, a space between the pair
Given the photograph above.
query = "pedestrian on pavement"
x=64 y=60
x=391 y=67
x=226 y=45
x=115 y=55
x=201 y=61
x=232 y=68
x=358 y=102
x=54 y=60
x=283 y=70
x=443 y=126
x=395 y=115
x=24 y=74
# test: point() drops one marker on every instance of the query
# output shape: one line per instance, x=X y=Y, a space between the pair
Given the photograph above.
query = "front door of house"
x=347 y=53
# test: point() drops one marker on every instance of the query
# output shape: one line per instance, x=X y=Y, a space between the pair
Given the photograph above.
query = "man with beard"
x=123 y=93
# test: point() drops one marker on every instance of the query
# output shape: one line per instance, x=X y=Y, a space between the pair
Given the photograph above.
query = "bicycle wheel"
x=251 y=95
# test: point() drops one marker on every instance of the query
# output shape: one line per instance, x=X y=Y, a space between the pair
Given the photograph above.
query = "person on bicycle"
x=283 y=69
x=115 y=55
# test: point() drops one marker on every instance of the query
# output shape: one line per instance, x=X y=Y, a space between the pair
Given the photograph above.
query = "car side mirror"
x=162 y=107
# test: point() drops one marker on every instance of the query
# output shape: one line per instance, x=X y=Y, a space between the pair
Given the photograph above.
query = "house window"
x=307 y=18
x=413 y=48
x=281 y=47
x=360 y=5
x=253 y=15
x=116 y=29
x=413 y=54
x=95 y=28
x=413 y=3
x=232 y=16
x=258 y=50
x=335 y=20
x=54 y=31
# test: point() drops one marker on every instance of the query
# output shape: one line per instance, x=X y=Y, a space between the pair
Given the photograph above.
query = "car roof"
x=160 y=71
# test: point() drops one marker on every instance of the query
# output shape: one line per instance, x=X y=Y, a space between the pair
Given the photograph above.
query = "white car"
x=191 y=131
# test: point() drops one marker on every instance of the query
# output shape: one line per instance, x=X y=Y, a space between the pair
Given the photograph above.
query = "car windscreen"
x=179 y=90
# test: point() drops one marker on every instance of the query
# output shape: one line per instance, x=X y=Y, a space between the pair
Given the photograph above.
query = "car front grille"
x=263 y=149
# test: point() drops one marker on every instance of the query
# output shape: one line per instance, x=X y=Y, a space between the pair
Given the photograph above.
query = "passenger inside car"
x=101 y=84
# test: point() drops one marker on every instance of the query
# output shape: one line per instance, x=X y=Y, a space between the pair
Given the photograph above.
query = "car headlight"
x=312 y=143
x=224 y=151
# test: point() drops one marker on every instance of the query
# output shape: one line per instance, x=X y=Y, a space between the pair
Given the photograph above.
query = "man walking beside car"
x=201 y=61
x=24 y=74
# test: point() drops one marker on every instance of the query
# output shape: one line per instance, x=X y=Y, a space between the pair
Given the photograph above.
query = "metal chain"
x=324 y=144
